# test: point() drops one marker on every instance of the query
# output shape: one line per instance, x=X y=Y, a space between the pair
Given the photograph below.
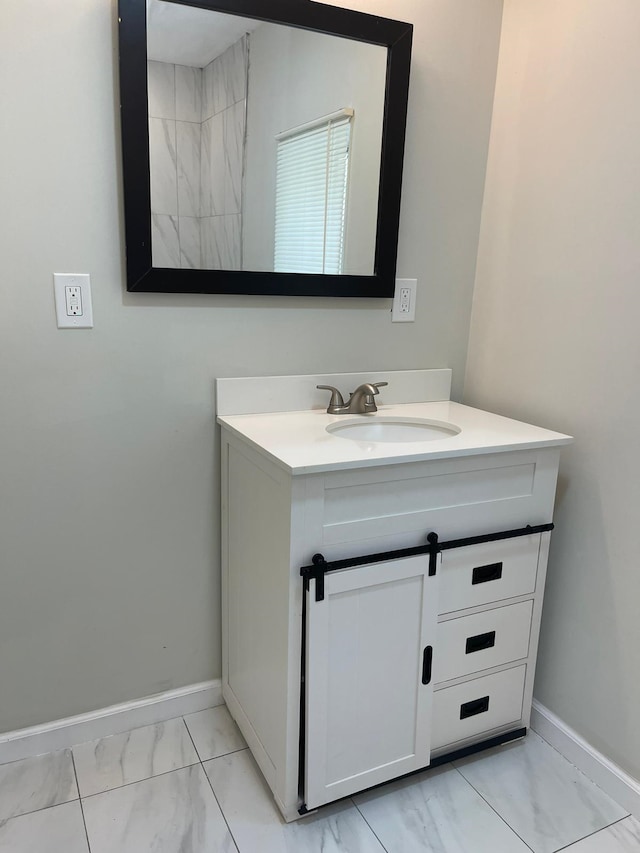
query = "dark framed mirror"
x=263 y=145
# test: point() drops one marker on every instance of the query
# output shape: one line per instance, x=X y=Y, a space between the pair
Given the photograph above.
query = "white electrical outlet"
x=73 y=300
x=404 y=301
x=72 y=293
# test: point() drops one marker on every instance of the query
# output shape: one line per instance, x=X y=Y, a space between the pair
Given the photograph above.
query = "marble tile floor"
x=190 y=785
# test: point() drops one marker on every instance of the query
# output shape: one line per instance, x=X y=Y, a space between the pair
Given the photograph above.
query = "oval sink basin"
x=375 y=428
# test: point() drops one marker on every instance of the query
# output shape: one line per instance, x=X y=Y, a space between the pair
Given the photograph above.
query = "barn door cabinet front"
x=369 y=688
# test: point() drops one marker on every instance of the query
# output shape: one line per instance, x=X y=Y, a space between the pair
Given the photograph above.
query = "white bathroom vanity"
x=382 y=593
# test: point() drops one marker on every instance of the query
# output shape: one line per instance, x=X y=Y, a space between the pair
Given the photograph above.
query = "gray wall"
x=108 y=525
x=554 y=336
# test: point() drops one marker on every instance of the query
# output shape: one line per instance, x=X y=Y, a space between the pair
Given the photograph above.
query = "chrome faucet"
x=361 y=401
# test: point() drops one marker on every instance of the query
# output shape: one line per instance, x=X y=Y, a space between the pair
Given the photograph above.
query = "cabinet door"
x=368 y=677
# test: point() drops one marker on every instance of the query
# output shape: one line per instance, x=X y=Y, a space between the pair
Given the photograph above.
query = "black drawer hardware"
x=480 y=642
x=482 y=574
x=477 y=706
x=433 y=547
x=427 y=660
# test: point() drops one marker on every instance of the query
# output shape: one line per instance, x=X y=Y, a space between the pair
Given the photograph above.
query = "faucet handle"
x=336 y=396
x=369 y=402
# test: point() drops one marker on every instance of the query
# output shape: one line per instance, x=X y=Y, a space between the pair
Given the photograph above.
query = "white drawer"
x=477 y=706
x=472 y=643
x=492 y=571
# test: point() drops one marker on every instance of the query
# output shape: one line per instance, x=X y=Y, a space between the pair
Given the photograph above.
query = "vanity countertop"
x=299 y=442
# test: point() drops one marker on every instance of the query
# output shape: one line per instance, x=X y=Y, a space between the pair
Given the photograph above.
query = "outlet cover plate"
x=404 y=301
x=68 y=304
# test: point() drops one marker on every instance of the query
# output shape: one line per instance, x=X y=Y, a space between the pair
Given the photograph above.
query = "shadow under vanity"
x=381 y=599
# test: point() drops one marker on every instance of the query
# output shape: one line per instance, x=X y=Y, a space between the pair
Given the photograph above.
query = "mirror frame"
x=142 y=276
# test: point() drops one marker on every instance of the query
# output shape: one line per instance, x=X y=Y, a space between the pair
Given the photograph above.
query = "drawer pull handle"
x=482 y=574
x=480 y=642
x=427 y=659
x=477 y=706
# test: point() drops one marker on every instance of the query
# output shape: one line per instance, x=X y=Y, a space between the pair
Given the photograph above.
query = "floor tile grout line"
x=357 y=807
x=204 y=761
x=595 y=832
x=192 y=741
x=224 y=817
x=138 y=781
x=84 y=822
x=41 y=809
x=35 y=811
x=495 y=811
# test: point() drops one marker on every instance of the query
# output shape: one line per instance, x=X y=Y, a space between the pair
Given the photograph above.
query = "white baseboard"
x=613 y=780
x=60 y=734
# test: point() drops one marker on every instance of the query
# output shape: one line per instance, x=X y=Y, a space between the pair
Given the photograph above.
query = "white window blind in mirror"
x=311 y=195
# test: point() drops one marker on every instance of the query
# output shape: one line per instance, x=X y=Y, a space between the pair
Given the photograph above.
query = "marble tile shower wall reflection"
x=196 y=143
x=223 y=130
x=175 y=96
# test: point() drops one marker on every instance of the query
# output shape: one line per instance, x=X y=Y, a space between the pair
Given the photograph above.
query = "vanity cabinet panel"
x=489 y=572
x=480 y=641
x=260 y=659
x=454 y=497
x=476 y=707
x=368 y=677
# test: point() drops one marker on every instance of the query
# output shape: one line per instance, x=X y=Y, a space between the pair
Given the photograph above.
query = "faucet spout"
x=361 y=401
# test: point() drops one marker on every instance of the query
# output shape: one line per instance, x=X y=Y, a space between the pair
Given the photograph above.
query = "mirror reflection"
x=265 y=144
